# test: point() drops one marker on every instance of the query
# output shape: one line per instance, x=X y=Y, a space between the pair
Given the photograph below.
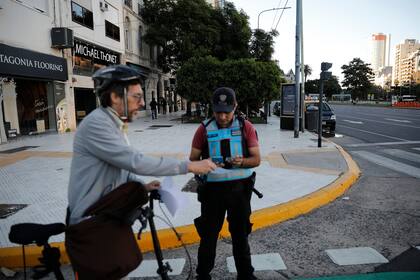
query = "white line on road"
x=418 y=149
x=356 y=122
x=389 y=163
x=402 y=121
x=387 y=115
x=403 y=154
x=389 y=123
x=384 y=144
x=383 y=135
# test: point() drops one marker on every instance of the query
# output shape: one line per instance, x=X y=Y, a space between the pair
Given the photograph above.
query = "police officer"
x=103 y=158
x=232 y=143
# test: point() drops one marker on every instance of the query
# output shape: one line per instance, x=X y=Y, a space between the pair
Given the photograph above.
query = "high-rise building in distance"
x=406 y=62
x=217 y=3
x=379 y=51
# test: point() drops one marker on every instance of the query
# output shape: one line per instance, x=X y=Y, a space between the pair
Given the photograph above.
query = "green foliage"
x=357 y=78
x=331 y=86
x=307 y=71
x=261 y=47
x=253 y=81
x=192 y=28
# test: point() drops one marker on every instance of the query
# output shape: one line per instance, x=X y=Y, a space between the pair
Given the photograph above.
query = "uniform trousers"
x=217 y=199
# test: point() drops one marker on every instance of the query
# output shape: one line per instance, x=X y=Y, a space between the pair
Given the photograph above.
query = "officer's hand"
x=201 y=167
x=237 y=161
x=153 y=185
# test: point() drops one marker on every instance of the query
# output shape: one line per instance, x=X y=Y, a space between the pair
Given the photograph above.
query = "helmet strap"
x=124 y=118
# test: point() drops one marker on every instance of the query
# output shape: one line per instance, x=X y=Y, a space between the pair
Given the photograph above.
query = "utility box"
x=61 y=38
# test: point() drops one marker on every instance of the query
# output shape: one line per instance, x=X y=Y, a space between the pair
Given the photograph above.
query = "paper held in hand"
x=171 y=196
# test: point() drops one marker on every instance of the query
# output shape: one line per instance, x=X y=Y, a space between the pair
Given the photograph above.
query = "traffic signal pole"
x=325 y=75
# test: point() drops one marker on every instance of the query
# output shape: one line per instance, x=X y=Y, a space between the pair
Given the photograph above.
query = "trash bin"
x=311 y=118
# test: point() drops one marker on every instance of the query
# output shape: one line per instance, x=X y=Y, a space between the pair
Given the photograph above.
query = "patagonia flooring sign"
x=26 y=63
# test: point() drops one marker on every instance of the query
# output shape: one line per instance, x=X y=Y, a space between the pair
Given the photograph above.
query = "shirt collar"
x=116 y=118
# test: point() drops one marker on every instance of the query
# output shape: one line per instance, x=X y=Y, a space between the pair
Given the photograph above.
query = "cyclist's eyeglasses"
x=137 y=96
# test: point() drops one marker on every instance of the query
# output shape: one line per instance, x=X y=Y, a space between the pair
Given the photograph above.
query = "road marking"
x=418 y=149
x=384 y=144
x=403 y=154
x=402 y=121
x=389 y=163
x=389 y=115
x=357 y=255
x=261 y=262
x=383 y=135
x=397 y=124
x=356 y=122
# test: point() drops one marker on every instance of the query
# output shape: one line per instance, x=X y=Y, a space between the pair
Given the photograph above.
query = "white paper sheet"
x=172 y=196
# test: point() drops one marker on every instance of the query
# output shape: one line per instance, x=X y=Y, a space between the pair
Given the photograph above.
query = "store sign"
x=26 y=63
x=97 y=54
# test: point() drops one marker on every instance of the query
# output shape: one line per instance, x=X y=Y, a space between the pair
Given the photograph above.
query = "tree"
x=331 y=86
x=307 y=71
x=235 y=33
x=262 y=44
x=357 y=78
x=192 y=28
x=182 y=29
x=254 y=82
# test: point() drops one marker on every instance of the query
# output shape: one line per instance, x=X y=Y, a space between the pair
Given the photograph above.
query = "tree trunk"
x=188 y=109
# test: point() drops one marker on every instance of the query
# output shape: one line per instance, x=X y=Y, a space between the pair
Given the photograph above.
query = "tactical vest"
x=225 y=143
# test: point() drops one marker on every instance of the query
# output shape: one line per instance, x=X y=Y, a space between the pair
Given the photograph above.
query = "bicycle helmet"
x=114 y=74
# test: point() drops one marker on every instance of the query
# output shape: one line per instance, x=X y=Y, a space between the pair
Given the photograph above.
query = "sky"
x=334 y=31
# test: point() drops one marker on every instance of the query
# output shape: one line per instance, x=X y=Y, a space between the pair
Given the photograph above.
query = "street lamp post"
x=267 y=105
x=272 y=9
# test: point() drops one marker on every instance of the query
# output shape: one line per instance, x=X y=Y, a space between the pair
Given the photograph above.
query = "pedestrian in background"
x=232 y=143
x=153 y=106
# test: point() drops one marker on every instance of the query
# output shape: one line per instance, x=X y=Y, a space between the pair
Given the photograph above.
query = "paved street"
x=35 y=172
x=380 y=211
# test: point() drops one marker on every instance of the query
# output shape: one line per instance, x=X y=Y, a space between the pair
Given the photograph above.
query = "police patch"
x=236 y=132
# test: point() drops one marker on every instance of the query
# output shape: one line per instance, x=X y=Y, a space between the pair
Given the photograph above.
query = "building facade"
x=378 y=55
x=404 y=66
x=47 y=86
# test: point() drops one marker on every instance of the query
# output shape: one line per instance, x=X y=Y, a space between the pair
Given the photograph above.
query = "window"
x=141 y=39
x=139 y=7
x=112 y=31
x=81 y=15
x=128 y=3
x=127 y=34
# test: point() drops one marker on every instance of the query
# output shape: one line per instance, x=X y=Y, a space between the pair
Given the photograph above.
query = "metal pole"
x=297 y=68
x=3 y=137
x=321 y=96
x=302 y=68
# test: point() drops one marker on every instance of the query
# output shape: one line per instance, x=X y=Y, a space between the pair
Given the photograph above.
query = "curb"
x=11 y=257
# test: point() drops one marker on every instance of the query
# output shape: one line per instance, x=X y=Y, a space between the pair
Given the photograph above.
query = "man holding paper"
x=232 y=143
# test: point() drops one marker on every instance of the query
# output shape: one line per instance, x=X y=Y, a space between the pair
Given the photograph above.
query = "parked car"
x=276 y=106
x=328 y=115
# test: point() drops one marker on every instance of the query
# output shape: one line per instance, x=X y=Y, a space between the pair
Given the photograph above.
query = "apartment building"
x=404 y=67
x=47 y=59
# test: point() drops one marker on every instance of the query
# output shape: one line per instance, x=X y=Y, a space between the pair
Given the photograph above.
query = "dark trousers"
x=217 y=199
x=154 y=114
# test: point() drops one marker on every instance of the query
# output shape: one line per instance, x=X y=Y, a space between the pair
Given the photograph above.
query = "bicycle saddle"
x=28 y=233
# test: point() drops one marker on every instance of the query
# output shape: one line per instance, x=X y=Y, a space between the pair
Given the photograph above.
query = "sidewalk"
x=295 y=177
